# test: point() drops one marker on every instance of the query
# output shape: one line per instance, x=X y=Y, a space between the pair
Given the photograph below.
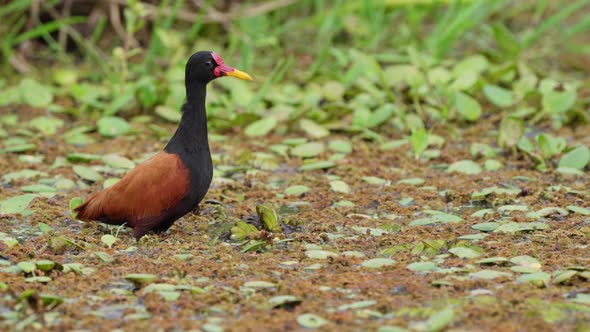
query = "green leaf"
x=319 y=254
x=498 y=96
x=380 y=115
x=437 y=321
x=17 y=204
x=269 y=218
x=308 y=150
x=558 y=101
x=340 y=146
x=74 y=203
x=38 y=188
x=35 y=93
x=577 y=158
x=108 y=240
x=259 y=284
x=112 y=126
x=510 y=132
x=311 y=321
x=539 y=279
x=284 y=301
x=339 y=187
x=525 y=264
x=46 y=125
x=422 y=266
x=141 y=278
x=87 y=173
x=375 y=180
x=168 y=113
x=489 y=274
x=419 y=141
x=117 y=161
x=313 y=129
x=261 y=127
x=465 y=167
x=296 y=190
x=316 y=165
x=377 y=263
x=468 y=107
x=549 y=145
x=464 y=252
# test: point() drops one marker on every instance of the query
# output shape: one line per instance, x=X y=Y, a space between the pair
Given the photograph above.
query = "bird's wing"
x=146 y=192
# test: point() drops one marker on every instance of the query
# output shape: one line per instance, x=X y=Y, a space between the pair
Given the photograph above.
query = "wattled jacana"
x=172 y=183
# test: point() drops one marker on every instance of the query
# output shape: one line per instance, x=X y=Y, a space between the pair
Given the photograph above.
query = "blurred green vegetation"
x=401 y=66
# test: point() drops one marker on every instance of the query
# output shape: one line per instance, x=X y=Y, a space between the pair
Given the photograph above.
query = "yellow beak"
x=239 y=74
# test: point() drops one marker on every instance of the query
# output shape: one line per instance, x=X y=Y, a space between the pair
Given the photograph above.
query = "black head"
x=205 y=66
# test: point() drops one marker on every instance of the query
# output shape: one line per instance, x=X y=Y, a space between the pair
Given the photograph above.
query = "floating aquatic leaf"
x=282 y=301
x=319 y=254
x=87 y=173
x=38 y=188
x=377 y=263
x=269 y=218
x=108 y=239
x=492 y=260
x=422 y=266
x=577 y=158
x=482 y=213
x=82 y=157
x=312 y=129
x=558 y=101
x=579 y=210
x=25 y=174
x=259 y=284
x=464 y=252
x=41 y=279
x=112 y=126
x=465 y=167
x=242 y=231
x=525 y=264
x=118 y=161
x=311 y=321
x=412 y=181
x=45 y=265
x=339 y=187
x=436 y=322
x=375 y=180
x=510 y=132
x=46 y=125
x=468 y=107
x=564 y=276
x=498 y=96
x=141 y=278
x=492 y=165
x=296 y=190
x=17 y=204
x=316 y=165
x=539 y=279
x=261 y=127
x=341 y=146
x=26 y=267
x=35 y=93
x=308 y=150
x=486 y=226
x=489 y=274
x=582 y=298
x=357 y=305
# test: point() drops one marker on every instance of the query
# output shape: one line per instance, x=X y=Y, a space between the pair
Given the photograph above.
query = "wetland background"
x=397 y=165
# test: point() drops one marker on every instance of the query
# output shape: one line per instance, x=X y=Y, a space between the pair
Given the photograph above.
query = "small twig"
x=128 y=39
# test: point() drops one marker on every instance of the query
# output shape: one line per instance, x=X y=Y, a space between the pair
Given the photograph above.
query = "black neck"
x=191 y=135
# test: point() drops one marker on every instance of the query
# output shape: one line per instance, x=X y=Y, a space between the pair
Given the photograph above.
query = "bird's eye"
x=209 y=64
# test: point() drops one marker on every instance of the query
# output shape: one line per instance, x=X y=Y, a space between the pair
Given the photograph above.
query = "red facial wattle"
x=221 y=67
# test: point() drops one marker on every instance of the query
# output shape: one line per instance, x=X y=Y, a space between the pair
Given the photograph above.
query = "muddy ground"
x=205 y=281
